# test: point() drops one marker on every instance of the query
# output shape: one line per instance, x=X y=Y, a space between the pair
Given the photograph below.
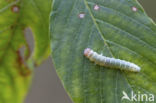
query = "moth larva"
x=110 y=62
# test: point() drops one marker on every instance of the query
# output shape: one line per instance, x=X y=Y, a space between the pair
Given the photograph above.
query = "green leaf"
x=114 y=30
x=16 y=69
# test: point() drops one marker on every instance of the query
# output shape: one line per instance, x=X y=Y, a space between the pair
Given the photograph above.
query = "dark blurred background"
x=46 y=86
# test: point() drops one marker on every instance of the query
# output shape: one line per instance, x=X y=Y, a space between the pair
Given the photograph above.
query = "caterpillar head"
x=87 y=51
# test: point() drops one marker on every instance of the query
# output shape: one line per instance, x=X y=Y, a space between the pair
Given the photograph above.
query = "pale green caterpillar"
x=110 y=62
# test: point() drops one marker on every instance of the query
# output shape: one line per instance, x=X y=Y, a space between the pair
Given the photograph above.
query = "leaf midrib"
x=94 y=21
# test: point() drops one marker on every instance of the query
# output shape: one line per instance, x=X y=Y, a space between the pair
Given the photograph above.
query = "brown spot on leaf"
x=15 y=8
x=22 y=66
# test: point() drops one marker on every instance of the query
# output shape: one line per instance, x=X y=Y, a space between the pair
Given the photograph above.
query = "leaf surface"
x=119 y=29
x=15 y=66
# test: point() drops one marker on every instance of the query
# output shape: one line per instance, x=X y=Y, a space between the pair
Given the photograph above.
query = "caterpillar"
x=110 y=62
